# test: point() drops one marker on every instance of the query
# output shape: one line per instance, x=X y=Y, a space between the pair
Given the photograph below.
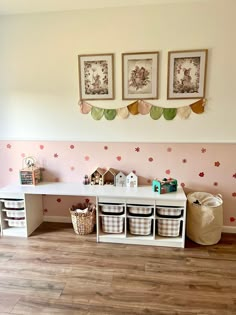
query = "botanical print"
x=139 y=76
x=96 y=77
x=186 y=75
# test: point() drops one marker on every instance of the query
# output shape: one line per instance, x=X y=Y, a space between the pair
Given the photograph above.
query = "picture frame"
x=96 y=76
x=186 y=74
x=140 y=72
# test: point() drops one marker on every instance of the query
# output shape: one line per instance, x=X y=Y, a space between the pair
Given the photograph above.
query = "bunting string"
x=143 y=108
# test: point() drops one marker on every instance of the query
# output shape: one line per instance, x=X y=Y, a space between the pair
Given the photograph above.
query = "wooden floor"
x=57 y=272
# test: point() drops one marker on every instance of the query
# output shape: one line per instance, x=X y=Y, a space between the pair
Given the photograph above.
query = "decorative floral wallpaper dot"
x=197 y=167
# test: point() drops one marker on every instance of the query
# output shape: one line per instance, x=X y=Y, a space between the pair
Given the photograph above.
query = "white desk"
x=32 y=195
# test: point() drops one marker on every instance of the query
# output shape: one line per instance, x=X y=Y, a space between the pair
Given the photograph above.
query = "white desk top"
x=78 y=189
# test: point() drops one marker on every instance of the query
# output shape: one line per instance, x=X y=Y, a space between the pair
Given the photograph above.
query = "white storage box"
x=140 y=226
x=169 y=212
x=15 y=213
x=112 y=208
x=112 y=224
x=140 y=210
x=14 y=204
x=16 y=222
x=168 y=227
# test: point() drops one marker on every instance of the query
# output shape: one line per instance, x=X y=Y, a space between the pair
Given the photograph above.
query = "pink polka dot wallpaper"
x=197 y=167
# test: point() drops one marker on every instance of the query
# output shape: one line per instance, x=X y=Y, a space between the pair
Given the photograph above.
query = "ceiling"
x=33 y=6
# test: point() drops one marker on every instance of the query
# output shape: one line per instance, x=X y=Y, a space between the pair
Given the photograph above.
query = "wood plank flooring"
x=58 y=272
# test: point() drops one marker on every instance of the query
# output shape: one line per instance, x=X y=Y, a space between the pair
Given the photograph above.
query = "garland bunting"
x=142 y=107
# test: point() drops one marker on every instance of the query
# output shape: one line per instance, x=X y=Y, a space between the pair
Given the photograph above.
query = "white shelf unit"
x=10 y=213
x=152 y=238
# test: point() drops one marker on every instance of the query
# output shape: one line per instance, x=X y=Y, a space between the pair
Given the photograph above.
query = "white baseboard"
x=229 y=229
x=226 y=229
x=57 y=219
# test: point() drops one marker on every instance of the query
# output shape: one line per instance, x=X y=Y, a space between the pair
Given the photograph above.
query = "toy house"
x=97 y=177
x=120 y=180
x=30 y=174
x=164 y=186
x=132 y=180
x=109 y=177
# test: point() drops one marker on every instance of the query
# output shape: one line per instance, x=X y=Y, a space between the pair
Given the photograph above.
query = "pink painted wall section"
x=197 y=167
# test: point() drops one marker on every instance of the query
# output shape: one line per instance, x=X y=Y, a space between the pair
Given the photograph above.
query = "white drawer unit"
x=13 y=221
x=20 y=214
x=158 y=221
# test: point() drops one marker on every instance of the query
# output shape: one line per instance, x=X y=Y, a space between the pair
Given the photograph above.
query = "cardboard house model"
x=131 y=180
x=109 y=177
x=120 y=180
x=97 y=177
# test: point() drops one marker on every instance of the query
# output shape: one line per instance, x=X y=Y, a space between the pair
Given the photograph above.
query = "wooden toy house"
x=30 y=174
x=132 y=180
x=120 y=180
x=109 y=177
x=165 y=185
x=97 y=177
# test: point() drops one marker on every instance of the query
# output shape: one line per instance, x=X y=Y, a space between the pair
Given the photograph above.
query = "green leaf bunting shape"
x=156 y=112
x=97 y=113
x=169 y=113
x=110 y=114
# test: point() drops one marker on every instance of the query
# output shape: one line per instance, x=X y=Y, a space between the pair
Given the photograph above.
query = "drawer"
x=168 y=227
x=166 y=212
x=112 y=208
x=14 y=203
x=16 y=222
x=140 y=210
x=14 y=213
x=112 y=224
x=140 y=226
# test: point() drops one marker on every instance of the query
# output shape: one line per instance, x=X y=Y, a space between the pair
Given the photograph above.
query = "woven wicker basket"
x=83 y=223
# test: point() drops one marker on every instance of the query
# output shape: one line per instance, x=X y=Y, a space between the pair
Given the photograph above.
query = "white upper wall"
x=39 y=90
x=29 y=6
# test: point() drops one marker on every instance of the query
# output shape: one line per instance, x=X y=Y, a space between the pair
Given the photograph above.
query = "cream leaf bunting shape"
x=142 y=107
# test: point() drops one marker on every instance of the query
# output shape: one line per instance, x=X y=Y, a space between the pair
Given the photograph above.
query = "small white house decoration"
x=97 y=177
x=120 y=180
x=132 y=180
x=109 y=177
